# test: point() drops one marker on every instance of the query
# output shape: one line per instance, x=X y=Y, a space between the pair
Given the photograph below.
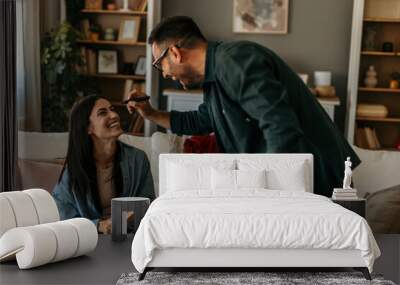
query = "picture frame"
x=260 y=16
x=107 y=62
x=129 y=29
x=140 y=68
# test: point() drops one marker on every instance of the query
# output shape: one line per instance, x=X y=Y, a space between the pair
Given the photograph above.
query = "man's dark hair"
x=174 y=29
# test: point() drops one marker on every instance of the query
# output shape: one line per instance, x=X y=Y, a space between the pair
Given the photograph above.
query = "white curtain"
x=34 y=19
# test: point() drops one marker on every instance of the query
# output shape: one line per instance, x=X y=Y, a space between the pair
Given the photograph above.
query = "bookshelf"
x=113 y=84
x=375 y=22
x=380 y=53
x=112 y=43
x=117 y=76
x=114 y=12
x=379 y=90
x=377 y=119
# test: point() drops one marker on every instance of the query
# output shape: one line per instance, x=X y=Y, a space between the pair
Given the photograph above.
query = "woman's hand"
x=104 y=226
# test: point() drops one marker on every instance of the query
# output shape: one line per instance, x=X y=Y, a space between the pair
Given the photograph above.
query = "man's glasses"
x=157 y=62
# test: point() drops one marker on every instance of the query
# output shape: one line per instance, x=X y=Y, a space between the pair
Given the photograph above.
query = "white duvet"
x=250 y=219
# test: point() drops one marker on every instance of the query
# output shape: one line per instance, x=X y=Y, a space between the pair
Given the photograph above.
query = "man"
x=253 y=101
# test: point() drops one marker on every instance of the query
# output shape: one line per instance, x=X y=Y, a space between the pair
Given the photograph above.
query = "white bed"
x=202 y=219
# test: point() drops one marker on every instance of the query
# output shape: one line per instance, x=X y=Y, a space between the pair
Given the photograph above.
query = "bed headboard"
x=271 y=160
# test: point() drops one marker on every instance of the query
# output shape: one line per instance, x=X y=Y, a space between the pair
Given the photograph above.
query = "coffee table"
x=102 y=266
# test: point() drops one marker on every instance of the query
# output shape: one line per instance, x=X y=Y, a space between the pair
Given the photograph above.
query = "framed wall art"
x=260 y=16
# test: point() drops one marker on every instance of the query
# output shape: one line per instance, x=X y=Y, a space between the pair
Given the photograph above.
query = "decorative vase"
x=111 y=6
x=371 y=79
x=394 y=84
x=109 y=34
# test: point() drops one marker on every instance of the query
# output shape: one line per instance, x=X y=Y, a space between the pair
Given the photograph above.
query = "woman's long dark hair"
x=80 y=162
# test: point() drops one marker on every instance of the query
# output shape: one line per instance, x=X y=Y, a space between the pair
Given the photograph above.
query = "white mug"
x=322 y=78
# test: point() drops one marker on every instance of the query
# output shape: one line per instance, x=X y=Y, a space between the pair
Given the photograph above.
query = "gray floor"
x=103 y=266
x=106 y=264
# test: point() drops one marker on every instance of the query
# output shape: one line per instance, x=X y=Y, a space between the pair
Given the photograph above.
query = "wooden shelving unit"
x=113 y=86
x=376 y=22
x=379 y=90
x=114 y=12
x=379 y=53
x=381 y=19
x=373 y=119
x=117 y=76
x=112 y=43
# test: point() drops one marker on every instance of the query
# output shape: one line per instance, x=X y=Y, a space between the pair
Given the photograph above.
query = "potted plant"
x=395 y=80
x=95 y=32
x=61 y=57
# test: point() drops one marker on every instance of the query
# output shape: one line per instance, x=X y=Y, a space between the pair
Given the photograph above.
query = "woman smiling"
x=98 y=167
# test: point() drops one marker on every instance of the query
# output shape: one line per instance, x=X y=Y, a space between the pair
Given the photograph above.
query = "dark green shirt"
x=255 y=103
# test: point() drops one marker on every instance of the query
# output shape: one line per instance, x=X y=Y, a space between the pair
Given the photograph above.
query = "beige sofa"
x=41 y=155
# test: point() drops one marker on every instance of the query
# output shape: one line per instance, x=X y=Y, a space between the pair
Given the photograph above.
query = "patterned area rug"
x=242 y=278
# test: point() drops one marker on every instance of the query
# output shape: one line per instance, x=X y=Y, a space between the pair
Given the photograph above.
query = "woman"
x=98 y=167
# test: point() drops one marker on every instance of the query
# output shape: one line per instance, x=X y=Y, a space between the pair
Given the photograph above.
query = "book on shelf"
x=132 y=121
x=377 y=143
x=130 y=85
x=127 y=89
x=366 y=137
x=85 y=28
x=91 y=59
x=141 y=5
x=82 y=69
x=370 y=138
x=138 y=126
x=360 y=139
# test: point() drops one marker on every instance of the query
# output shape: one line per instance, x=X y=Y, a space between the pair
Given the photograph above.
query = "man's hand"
x=147 y=111
x=143 y=108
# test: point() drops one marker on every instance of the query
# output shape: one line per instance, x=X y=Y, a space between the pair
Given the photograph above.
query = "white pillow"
x=182 y=177
x=236 y=179
x=251 y=179
x=183 y=174
x=281 y=174
x=223 y=179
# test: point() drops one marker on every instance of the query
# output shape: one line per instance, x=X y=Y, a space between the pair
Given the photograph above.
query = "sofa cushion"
x=42 y=146
x=376 y=171
x=383 y=211
x=36 y=174
x=143 y=143
x=153 y=146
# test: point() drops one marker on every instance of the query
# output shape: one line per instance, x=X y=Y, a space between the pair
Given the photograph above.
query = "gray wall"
x=318 y=38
